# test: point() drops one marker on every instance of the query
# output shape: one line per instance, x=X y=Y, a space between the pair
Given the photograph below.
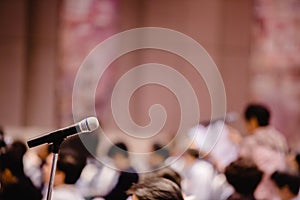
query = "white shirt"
x=267 y=148
x=97 y=180
x=216 y=139
x=197 y=180
x=65 y=192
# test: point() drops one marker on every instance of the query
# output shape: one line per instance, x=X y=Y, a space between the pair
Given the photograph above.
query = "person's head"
x=191 y=155
x=158 y=156
x=293 y=162
x=256 y=115
x=69 y=167
x=243 y=175
x=297 y=159
x=287 y=184
x=120 y=156
x=11 y=166
x=19 y=148
x=2 y=140
x=155 y=189
x=170 y=174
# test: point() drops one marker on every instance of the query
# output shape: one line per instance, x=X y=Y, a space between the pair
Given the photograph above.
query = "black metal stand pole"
x=55 y=151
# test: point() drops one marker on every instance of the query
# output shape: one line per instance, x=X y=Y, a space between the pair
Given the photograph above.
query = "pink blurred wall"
x=223 y=28
x=28 y=59
x=28 y=62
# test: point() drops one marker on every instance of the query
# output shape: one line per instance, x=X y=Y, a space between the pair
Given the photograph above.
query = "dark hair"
x=120 y=148
x=71 y=163
x=259 y=112
x=192 y=152
x=282 y=179
x=13 y=161
x=243 y=175
x=2 y=141
x=156 y=189
x=170 y=174
x=1 y=132
x=19 y=148
x=160 y=150
x=297 y=159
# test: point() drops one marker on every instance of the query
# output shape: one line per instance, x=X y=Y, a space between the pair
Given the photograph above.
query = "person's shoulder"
x=271 y=133
x=66 y=192
x=267 y=130
x=276 y=140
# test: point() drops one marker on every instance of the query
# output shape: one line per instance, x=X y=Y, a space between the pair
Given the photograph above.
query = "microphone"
x=87 y=125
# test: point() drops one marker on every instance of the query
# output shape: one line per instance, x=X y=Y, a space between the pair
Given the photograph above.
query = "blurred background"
x=254 y=43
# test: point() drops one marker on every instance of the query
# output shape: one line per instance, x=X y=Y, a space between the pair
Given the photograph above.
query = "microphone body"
x=87 y=125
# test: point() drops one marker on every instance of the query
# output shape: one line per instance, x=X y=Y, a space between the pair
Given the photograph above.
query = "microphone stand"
x=56 y=138
x=55 y=151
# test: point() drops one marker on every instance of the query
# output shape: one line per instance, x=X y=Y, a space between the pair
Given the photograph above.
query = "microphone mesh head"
x=89 y=124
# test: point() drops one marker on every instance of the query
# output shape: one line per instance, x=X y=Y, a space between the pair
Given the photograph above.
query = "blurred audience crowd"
x=220 y=164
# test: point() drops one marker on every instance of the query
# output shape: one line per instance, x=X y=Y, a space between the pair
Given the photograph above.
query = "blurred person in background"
x=217 y=143
x=297 y=159
x=2 y=141
x=158 y=156
x=69 y=167
x=170 y=174
x=287 y=184
x=293 y=162
x=244 y=176
x=197 y=176
x=96 y=179
x=155 y=188
x=200 y=179
x=33 y=163
x=266 y=146
x=15 y=184
x=218 y=140
x=127 y=176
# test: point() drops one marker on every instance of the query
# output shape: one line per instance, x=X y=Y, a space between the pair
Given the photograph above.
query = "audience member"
x=255 y=175
x=155 y=189
x=293 y=161
x=260 y=132
x=244 y=176
x=218 y=141
x=69 y=168
x=19 y=149
x=197 y=176
x=128 y=175
x=287 y=184
x=265 y=146
x=33 y=162
x=216 y=184
x=15 y=184
x=170 y=174
x=97 y=179
x=2 y=141
x=297 y=159
x=158 y=156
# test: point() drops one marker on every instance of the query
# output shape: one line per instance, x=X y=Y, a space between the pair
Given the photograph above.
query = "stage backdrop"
x=276 y=63
x=83 y=25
